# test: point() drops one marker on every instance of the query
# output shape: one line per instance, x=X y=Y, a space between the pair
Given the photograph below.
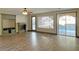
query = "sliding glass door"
x=67 y=24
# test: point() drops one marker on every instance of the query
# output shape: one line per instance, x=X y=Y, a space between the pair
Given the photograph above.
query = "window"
x=33 y=23
x=45 y=22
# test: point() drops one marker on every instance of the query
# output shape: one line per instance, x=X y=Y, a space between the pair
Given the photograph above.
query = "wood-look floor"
x=32 y=41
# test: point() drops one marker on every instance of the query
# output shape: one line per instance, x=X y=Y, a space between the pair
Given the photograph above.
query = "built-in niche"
x=9 y=23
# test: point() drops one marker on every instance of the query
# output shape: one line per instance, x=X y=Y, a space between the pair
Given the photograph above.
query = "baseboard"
x=46 y=32
x=29 y=30
x=77 y=36
x=41 y=32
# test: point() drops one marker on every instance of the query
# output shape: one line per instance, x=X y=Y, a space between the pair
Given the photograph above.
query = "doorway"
x=66 y=24
x=33 y=23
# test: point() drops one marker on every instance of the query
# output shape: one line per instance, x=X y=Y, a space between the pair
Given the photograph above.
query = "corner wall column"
x=0 y=25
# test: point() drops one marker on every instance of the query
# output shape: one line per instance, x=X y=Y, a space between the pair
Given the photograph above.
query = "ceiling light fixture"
x=27 y=12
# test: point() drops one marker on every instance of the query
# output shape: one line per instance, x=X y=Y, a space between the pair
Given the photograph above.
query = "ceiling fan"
x=26 y=11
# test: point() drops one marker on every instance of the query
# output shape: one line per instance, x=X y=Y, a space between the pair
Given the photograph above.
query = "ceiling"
x=16 y=11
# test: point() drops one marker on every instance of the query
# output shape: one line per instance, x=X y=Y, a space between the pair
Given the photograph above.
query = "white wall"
x=21 y=19
x=0 y=25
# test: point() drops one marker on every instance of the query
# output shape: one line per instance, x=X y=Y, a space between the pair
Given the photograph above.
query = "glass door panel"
x=61 y=25
x=71 y=24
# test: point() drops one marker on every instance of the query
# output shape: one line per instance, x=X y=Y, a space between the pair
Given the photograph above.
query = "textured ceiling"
x=16 y=11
